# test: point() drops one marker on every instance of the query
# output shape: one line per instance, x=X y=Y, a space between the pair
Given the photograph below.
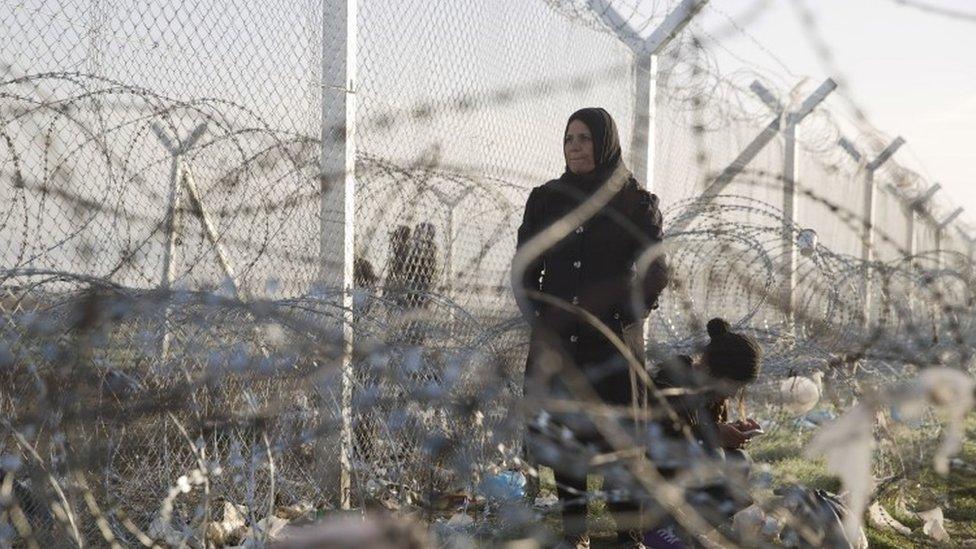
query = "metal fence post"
x=789 y=121
x=912 y=210
x=337 y=160
x=749 y=153
x=970 y=247
x=642 y=141
x=867 y=215
x=175 y=148
x=867 y=245
x=790 y=177
x=940 y=228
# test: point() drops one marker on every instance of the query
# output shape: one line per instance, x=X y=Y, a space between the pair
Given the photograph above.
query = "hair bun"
x=718 y=327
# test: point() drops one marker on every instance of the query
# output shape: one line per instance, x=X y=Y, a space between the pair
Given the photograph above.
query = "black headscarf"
x=606 y=146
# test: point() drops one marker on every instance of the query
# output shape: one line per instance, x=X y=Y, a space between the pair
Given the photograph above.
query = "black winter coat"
x=593 y=268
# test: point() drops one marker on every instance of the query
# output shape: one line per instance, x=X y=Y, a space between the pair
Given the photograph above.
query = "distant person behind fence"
x=421 y=265
x=365 y=281
x=396 y=264
x=592 y=268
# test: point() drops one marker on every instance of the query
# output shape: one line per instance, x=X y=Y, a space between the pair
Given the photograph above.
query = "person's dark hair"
x=731 y=355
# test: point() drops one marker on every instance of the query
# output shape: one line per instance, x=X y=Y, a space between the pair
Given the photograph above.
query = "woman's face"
x=578 y=148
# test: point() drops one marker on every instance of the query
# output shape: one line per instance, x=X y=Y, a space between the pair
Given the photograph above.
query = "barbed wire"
x=937 y=10
x=135 y=412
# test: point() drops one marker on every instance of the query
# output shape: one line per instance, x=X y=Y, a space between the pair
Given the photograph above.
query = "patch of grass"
x=782 y=449
x=547 y=481
x=810 y=473
x=883 y=540
x=778 y=445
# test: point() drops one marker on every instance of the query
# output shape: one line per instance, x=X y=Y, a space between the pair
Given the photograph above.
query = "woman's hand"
x=730 y=437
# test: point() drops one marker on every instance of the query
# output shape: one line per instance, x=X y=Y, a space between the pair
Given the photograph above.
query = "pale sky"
x=912 y=72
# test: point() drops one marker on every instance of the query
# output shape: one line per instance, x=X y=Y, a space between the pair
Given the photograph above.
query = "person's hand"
x=730 y=437
x=748 y=424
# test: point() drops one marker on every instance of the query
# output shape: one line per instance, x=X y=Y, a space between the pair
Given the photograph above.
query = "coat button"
x=579 y=230
x=577 y=264
x=575 y=300
x=573 y=338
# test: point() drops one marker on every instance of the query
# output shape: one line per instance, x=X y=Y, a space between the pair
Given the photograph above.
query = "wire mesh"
x=174 y=335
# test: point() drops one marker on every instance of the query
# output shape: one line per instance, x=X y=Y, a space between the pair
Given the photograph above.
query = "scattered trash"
x=819 y=417
x=823 y=517
x=806 y=424
x=934 y=525
x=748 y=523
x=546 y=502
x=374 y=531
x=455 y=532
x=882 y=520
x=270 y=527
x=162 y=530
x=460 y=521
x=762 y=475
x=848 y=443
x=504 y=486
x=294 y=512
x=799 y=394
x=772 y=527
x=231 y=529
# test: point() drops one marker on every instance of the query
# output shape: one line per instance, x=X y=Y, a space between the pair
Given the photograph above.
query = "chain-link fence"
x=170 y=339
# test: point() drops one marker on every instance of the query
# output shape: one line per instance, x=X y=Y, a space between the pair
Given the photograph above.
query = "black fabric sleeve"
x=531 y=225
x=650 y=223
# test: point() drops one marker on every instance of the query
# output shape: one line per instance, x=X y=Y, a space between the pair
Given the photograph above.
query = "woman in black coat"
x=582 y=266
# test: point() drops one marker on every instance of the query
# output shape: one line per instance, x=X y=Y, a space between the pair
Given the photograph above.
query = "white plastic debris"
x=270 y=527
x=294 y=512
x=799 y=394
x=232 y=525
x=267 y=529
x=882 y=520
x=934 y=524
x=950 y=392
